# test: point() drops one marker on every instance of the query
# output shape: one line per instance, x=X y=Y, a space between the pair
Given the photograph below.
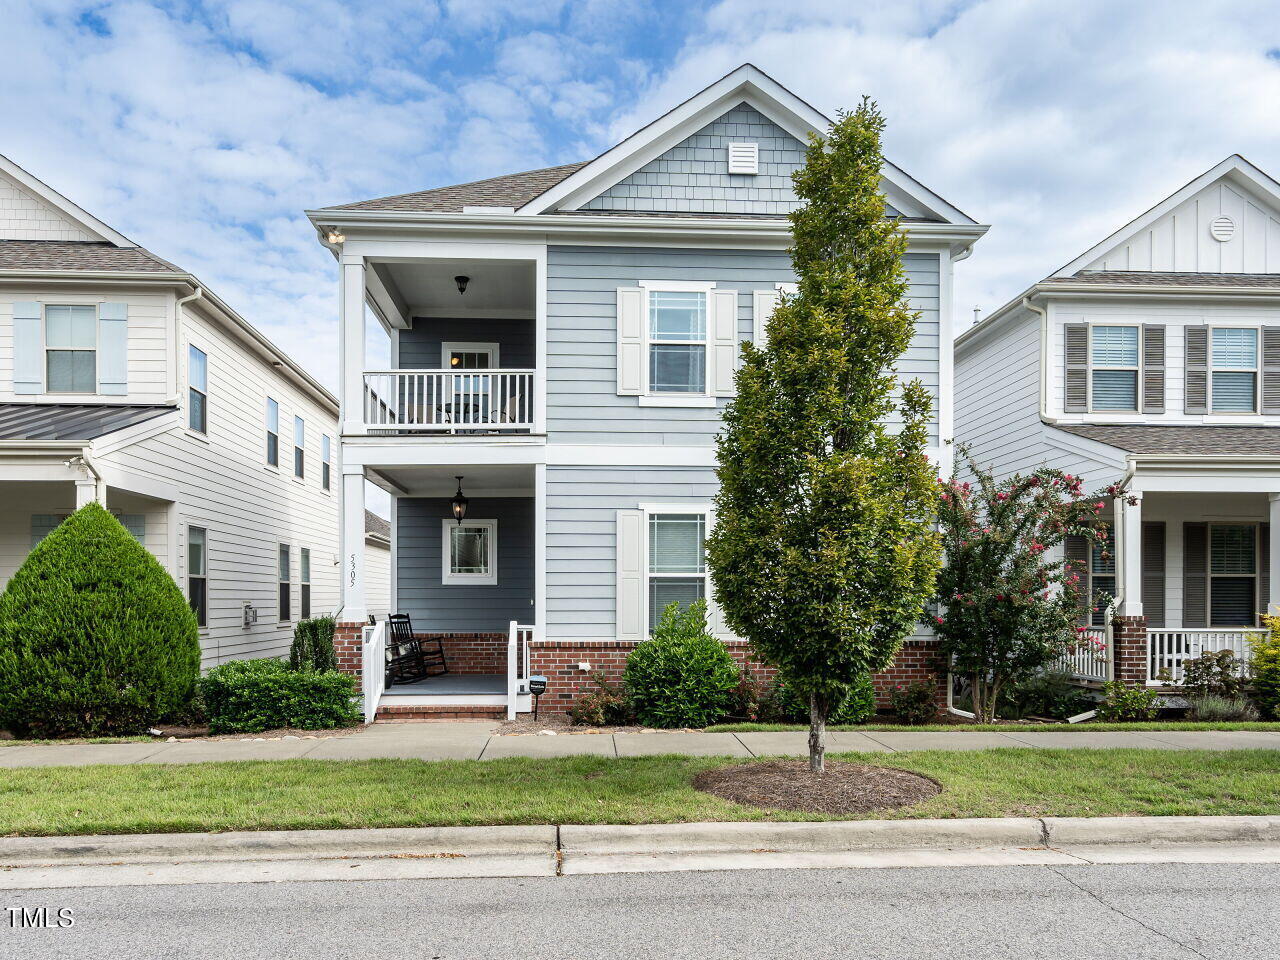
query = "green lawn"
x=1000 y=727
x=299 y=794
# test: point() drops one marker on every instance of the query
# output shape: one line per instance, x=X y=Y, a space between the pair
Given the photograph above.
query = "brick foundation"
x=472 y=653
x=1129 y=639
x=347 y=640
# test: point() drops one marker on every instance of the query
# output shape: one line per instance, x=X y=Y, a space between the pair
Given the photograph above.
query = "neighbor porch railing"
x=373 y=667
x=449 y=401
x=1168 y=650
x=1090 y=657
x=519 y=638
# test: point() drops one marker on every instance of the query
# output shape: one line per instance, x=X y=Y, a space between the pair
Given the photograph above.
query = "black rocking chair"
x=407 y=659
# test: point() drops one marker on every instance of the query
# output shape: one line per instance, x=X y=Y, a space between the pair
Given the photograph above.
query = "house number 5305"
x=352 y=578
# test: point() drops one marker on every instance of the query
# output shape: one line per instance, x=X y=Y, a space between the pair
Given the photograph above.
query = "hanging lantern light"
x=459 y=503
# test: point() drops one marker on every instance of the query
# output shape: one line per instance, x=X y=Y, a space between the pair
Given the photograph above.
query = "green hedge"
x=95 y=637
x=249 y=696
x=683 y=676
x=312 y=647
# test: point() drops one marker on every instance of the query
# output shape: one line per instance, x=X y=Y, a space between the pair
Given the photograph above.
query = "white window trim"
x=1138 y=369
x=649 y=398
x=454 y=346
x=689 y=509
x=447 y=576
x=1256 y=370
x=202 y=436
x=45 y=348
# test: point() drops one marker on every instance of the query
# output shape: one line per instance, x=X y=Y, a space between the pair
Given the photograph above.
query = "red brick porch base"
x=346 y=644
x=466 y=653
x=1129 y=639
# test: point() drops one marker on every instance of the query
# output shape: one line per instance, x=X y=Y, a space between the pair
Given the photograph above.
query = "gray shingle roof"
x=79 y=255
x=73 y=421
x=375 y=526
x=1148 y=278
x=511 y=190
x=1183 y=441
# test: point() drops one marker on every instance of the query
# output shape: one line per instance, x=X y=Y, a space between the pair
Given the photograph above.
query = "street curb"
x=1066 y=831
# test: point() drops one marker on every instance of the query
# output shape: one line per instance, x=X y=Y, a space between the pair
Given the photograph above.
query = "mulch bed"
x=845 y=788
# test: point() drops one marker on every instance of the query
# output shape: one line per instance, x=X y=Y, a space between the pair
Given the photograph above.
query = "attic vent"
x=1222 y=229
x=744 y=158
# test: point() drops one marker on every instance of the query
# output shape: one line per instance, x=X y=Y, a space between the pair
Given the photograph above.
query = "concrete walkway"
x=477 y=740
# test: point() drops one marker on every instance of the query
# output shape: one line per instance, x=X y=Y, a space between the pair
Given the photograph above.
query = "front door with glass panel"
x=469 y=396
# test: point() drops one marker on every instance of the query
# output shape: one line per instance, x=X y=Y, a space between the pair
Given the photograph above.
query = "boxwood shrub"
x=682 y=676
x=249 y=696
x=95 y=637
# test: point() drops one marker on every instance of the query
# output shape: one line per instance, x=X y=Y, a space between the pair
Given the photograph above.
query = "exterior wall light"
x=462 y=283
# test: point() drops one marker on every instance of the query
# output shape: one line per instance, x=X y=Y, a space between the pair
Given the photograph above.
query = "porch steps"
x=425 y=713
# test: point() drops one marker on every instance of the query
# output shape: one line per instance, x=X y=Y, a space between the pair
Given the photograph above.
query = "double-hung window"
x=304 y=583
x=470 y=552
x=1114 y=366
x=1233 y=574
x=197 y=389
x=677 y=561
x=198 y=573
x=677 y=341
x=71 y=348
x=326 y=462
x=273 y=433
x=1233 y=358
x=286 y=614
x=299 y=446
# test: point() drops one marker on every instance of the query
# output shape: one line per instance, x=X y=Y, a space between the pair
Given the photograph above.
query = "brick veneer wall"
x=347 y=639
x=466 y=653
x=1129 y=640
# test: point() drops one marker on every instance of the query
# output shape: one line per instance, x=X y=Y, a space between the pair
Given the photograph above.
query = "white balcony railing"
x=1167 y=650
x=449 y=401
x=1089 y=658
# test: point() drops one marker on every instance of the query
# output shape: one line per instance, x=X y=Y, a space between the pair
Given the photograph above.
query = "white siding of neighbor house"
x=377 y=579
x=24 y=216
x=150 y=341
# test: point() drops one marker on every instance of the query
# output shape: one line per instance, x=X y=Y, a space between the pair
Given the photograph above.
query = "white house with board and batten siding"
x=125 y=380
x=563 y=345
x=1152 y=361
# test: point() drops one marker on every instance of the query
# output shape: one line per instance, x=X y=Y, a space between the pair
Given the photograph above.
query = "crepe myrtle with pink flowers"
x=1006 y=607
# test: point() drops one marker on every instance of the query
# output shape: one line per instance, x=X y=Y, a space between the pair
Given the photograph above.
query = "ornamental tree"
x=1008 y=607
x=824 y=551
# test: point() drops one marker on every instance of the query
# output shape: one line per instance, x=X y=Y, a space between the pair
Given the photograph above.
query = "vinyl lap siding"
x=420 y=345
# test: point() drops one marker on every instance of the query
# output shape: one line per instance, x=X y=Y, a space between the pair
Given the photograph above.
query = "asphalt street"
x=1167 y=911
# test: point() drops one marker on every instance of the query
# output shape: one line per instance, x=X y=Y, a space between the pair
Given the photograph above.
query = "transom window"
x=677 y=561
x=1113 y=357
x=677 y=341
x=470 y=552
x=1233 y=574
x=1233 y=357
x=197 y=389
x=71 y=348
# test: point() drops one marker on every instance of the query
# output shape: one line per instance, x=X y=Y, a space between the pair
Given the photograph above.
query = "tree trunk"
x=817 y=734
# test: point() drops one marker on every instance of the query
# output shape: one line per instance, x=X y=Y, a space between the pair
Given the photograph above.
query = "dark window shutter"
x=1076 y=352
x=1153 y=368
x=1195 y=575
x=1197 y=366
x=1153 y=539
x=1264 y=568
x=1075 y=550
x=1271 y=369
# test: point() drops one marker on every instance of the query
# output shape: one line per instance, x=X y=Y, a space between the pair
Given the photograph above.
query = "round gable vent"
x=1222 y=229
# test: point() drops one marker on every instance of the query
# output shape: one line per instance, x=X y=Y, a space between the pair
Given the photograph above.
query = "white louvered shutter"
x=28 y=359
x=631 y=322
x=724 y=341
x=630 y=602
x=113 y=349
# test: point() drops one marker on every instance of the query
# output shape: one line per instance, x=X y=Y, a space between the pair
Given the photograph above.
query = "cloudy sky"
x=203 y=129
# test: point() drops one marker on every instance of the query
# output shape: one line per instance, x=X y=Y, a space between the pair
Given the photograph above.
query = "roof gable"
x=32 y=210
x=1227 y=220
x=746 y=87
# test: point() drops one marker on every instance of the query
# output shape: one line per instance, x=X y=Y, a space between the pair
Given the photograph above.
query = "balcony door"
x=469 y=399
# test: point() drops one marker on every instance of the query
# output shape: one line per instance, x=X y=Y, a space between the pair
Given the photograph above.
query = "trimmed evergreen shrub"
x=914 y=703
x=858 y=705
x=312 y=647
x=95 y=637
x=249 y=696
x=682 y=676
x=1264 y=665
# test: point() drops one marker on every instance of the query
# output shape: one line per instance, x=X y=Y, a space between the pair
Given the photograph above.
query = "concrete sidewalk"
x=478 y=740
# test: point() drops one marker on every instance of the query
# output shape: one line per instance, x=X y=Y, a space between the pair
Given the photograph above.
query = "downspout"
x=1044 y=359
x=177 y=337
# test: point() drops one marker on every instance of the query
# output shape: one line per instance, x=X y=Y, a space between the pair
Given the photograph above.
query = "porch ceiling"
x=429 y=286
x=506 y=480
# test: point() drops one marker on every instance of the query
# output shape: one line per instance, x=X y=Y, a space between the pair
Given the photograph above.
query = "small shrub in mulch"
x=845 y=788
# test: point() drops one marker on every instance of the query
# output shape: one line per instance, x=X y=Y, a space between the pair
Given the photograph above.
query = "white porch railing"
x=1167 y=650
x=373 y=667
x=449 y=401
x=519 y=637
x=1090 y=658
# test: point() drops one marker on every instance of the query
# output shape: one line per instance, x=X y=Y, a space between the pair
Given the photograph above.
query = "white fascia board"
x=1235 y=167
x=127 y=436
x=1085 y=446
x=85 y=220
x=1158 y=473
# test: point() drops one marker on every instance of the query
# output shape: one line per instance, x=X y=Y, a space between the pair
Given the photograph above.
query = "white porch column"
x=88 y=491
x=351 y=298
x=1273 y=517
x=354 y=607
x=1129 y=554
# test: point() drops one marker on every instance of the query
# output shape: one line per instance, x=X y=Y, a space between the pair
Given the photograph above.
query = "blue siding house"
x=563 y=343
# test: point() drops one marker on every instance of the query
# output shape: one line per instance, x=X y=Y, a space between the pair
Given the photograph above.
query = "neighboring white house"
x=1153 y=360
x=124 y=380
x=377 y=565
x=564 y=340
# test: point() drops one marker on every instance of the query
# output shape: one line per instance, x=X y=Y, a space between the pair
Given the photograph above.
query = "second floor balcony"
x=458 y=402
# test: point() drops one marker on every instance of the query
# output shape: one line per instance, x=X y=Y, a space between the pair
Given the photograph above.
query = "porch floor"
x=451 y=685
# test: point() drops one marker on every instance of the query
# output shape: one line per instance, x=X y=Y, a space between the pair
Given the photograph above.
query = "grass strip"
x=1089 y=727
